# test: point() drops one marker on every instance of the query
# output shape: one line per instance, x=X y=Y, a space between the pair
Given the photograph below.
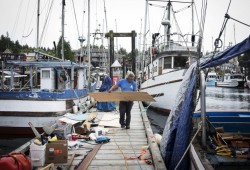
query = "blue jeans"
x=125 y=108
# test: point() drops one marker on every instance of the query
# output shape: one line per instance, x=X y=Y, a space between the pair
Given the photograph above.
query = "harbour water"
x=216 y=98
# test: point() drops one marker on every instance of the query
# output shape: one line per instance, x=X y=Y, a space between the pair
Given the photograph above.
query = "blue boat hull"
x=231 y=121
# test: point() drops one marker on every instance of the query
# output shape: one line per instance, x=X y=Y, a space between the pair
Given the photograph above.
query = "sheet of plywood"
x=121 y=96
x=91 y=116
x=110 y=119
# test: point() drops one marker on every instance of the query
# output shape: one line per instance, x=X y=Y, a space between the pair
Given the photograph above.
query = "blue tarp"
x=106 y=106
x=177 y=132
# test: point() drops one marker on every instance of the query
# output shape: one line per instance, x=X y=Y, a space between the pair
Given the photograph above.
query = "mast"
x=106 y=22
x=193 y=37
x=88 y=41
x=168 y=28
x=37 y=29
x=166 y=24
x=116 y=37
x=62 y=52
x=144 y=39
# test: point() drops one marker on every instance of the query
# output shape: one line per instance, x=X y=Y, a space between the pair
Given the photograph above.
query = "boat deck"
x=123 y=150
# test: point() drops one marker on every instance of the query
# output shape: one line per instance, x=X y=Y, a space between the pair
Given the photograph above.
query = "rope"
x=217 y=40
x=126 y=164
x=46 y=21
x=199 y=127
x=133 y=150
x=16 y=20
x=75 y=18
x=24 y=25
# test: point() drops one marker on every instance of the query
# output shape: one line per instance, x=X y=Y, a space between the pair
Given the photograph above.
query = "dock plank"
x=121 y=152
x=144 y=167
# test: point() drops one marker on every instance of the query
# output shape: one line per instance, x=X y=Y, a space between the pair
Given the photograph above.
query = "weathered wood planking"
x=124 y=144
x=122 y=152
x=128 y=167
x=121 y=96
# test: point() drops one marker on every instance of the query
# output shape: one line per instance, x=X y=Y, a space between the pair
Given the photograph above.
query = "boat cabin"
x=165 y=64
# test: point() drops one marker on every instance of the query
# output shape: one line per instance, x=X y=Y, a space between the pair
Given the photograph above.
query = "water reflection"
x=216 y=98
x=227 y=98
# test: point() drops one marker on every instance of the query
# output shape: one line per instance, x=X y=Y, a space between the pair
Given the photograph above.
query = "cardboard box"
x=57 y=152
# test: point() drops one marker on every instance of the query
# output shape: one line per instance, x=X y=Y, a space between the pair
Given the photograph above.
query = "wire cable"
x=75 y=18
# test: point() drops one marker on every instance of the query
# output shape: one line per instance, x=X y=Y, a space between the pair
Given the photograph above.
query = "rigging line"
x=84 y=10
x=96 y=15
x=105 y=12
x=75 y=18
x=199 y=22
x=182 y=9
x=149 y=26
x=154 y=5
x=25 y=21
x=46 y=21
x=16 y=20
x=199 y=127
x=203 y=18
x=162 y=19
x=25 y=36
x=227 y=16
x=30 y=24
x=44 y=26
x=44 y=7
x=178 y=28
x=222 y=29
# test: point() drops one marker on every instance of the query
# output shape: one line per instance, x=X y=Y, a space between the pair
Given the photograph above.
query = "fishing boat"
x=211 y=79
x=213 y=139
x=170 y=56
x=231 y=80
x=48 y=89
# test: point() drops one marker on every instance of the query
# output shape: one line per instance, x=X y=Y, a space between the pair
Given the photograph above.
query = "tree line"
x=16 y=48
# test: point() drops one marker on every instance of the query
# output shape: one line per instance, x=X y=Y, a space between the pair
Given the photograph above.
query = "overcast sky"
x=18 y=18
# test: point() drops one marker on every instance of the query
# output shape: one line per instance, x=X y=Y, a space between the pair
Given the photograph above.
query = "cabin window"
x=167 y=62
x=180 y=62
x=45 y=74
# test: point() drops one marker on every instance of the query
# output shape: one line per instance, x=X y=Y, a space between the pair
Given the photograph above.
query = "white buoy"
x=158 y=138
x=75 y=109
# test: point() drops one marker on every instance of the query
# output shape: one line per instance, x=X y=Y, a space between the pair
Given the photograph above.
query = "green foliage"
x=244 y=59
x=68 y=54
x=122 y=51
x=15 y=47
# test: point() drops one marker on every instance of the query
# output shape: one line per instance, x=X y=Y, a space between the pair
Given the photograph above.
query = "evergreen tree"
x=68 y=54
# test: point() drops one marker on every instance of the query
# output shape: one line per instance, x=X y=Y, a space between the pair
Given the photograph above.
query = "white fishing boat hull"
x=227 y=84
x=231 y=80
x=16 y=114
x=164 y=89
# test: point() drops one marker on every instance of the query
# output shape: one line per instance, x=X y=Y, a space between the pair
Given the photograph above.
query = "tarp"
x=177 y=132
x=106 y=106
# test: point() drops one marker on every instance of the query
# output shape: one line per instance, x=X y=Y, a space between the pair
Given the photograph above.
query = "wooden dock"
x=123 y=150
